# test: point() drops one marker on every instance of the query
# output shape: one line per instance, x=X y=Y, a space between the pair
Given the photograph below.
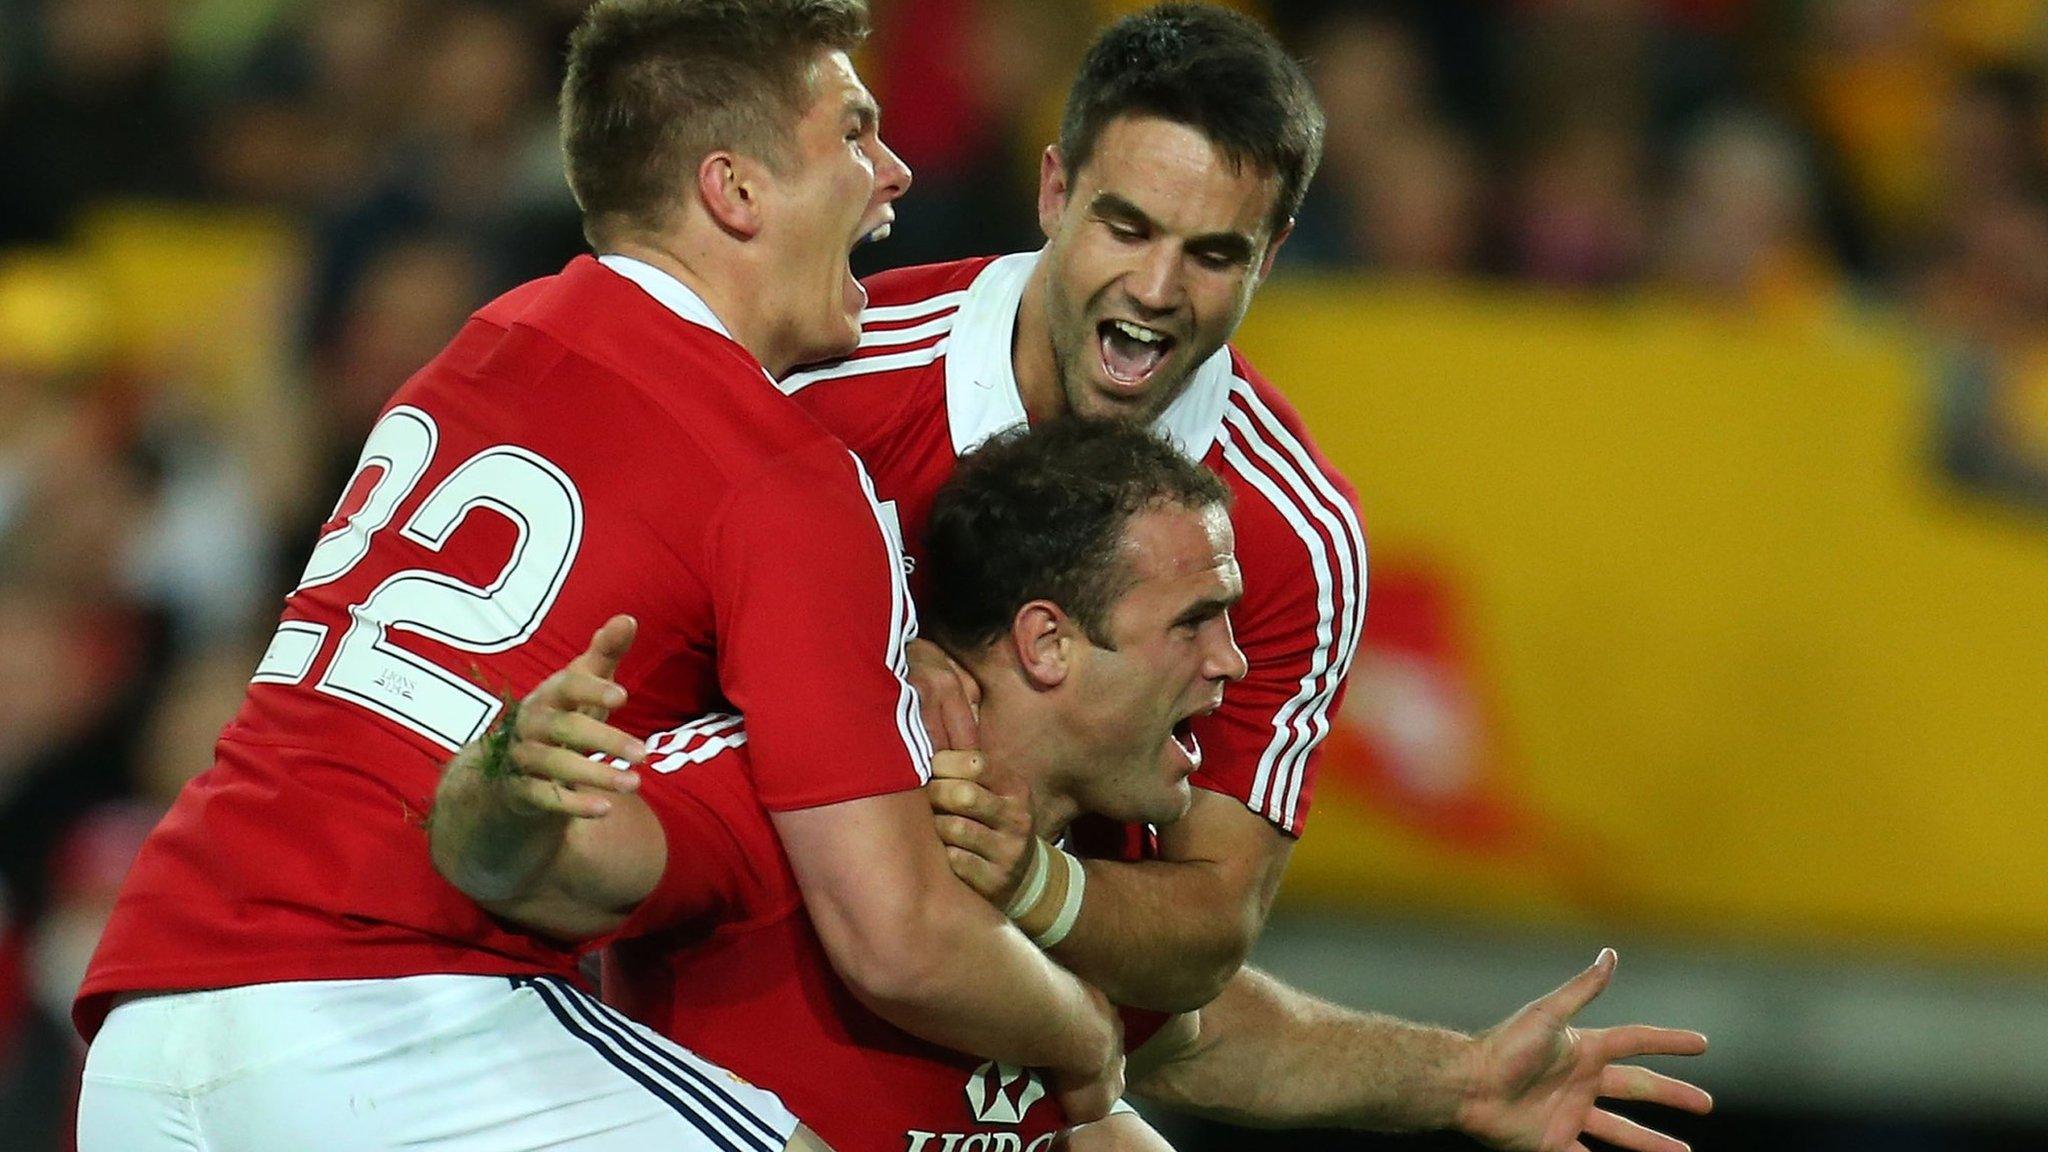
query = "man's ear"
x=729 y=186
x=1052 y=190
x=1041 y=635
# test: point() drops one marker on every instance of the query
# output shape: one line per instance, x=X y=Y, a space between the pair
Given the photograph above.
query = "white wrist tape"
x=1070 y=909
x=1034 y=881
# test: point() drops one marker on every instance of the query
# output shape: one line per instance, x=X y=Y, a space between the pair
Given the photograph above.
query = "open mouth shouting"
x=1189 y=747
x=1132 y=352
x=873 y=230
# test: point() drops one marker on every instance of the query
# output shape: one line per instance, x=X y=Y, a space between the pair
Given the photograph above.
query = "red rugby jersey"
x=590 y=443
x=933 y=378
x=723 y=958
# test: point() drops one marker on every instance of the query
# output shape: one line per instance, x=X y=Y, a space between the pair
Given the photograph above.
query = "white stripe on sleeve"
x=796 y=382
x=916 y=309
x=902 y=630
x=1298 y=490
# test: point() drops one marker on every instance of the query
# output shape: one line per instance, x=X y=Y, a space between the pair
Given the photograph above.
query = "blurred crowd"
x=230 y=228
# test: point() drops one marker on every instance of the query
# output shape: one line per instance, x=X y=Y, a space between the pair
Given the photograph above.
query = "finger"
x=945 y=696
x=1629 y=1082
x=561 y=766
x=577 y=733
x=975 y=837
x=956 y=719
x=978 y=873
x=571 y=688
x=948 y=718
x=1574 y=994
x=961 y=798
x=549 y=796
x=608 y=646
x=956 y=764
x=1632 y=1040
x=1623 y=1132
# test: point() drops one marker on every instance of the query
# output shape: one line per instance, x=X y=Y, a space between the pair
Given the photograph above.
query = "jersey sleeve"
x=1303 y=562
x=695 y=782
x=813 y=620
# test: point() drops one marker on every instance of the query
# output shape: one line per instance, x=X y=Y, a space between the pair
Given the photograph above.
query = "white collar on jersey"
x=981 y=381
x=670 y=292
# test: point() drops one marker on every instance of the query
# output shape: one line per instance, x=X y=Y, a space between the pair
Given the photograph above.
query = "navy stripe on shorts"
x=695 y=1096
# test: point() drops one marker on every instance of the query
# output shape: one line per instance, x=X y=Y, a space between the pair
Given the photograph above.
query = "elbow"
x=453 y=865
x=494 y=890
x=894 y=982
x=470 y=880
x=902 y=954
x=1233 y=948
x=1202 y=972
x=1211 y=967
x=896 y=962
x=1201 y=983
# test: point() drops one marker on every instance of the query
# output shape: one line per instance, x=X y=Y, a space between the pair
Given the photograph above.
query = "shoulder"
x=1296 y=516
x=814 y=499
x=1268 y=455
x=711 y=401
x=923 y=284
x=896 y=377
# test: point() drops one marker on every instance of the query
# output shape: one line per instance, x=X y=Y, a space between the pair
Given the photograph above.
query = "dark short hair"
x=1040 y=513
x=654 y=85
x=1215 y=71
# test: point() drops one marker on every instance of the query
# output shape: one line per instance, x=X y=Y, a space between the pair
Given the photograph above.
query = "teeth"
x=1144 y=335
x=879 y=234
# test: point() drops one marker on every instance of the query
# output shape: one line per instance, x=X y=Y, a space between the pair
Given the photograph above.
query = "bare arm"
x=534 y=831
x=1168 y=934
x=928 y=955
x=1164 y=934
x=1267 y=1055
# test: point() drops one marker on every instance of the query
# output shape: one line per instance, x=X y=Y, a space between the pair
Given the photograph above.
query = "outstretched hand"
x=545 y=760
x=1538 y=1081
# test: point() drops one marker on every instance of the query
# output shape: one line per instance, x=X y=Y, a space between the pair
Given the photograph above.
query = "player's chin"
x=1173 y=803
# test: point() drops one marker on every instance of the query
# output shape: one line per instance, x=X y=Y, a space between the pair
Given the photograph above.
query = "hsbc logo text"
x=976 y=1142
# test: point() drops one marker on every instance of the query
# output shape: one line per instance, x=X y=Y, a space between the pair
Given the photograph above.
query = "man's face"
x=1129 y=705
x=836 y=194
x=1154 y=249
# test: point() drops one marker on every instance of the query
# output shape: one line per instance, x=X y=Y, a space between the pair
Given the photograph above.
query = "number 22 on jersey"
x=369 y=668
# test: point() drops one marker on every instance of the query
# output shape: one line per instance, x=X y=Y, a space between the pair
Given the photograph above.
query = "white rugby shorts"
x=428 y=1063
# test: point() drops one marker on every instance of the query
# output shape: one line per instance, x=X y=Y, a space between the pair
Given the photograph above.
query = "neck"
x=1018 y=737
x=1031 y=355
x=730 y=293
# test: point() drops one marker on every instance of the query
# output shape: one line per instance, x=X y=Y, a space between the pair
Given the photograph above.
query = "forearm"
x=994 y=994
x=1270 y=1056
x=566 y=877
x=923 y=951
x=1161 y=935
x=1169 y=934
x=492 y=848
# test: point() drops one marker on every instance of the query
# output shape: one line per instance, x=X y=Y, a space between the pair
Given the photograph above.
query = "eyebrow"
x=1207 y=607
x=1235 y=246
x=866 y=114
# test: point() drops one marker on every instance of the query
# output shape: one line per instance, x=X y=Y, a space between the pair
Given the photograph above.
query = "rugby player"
x=284 y=968
x=1188 y=139
x=1082 y=573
